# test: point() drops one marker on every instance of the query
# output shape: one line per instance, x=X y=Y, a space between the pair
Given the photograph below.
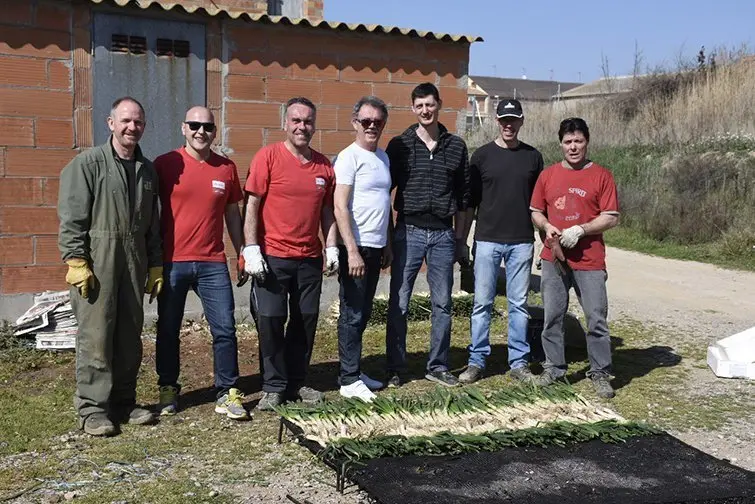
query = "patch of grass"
x=420 y=308
x=151 y=464
x=168 y=492
x=655 y=381
x=632 y=239
x=37 y=414
x=17 y=355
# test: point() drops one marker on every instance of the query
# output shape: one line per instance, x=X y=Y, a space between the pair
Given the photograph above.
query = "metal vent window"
x=275 y=7
x=175 y=48
x=119 y=43
x=126 y=44
x=164 y=47
x=181 y=48
x=137 y=45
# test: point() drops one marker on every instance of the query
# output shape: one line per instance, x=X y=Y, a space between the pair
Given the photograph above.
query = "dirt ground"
x=693 y=304
x=703 y=301
x=698 y=304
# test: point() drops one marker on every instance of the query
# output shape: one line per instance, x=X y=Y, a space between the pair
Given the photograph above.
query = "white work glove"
x=570 y=236
x=254 y=263
x=331 y=260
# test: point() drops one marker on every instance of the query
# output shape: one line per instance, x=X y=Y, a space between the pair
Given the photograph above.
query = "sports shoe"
x=168 y=400
x=471 y=374
x=393 y=380
x=97 y=424
x=308 y=395
x=371 y=383
x=358 y=390
x=140 y=416
x=230 y=404
x=445 y=378
x=522 y=374
x=602 y=384
x=269 y=401
x=549 y=376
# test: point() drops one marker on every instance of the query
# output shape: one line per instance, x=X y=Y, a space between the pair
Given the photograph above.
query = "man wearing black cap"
x=503 y=172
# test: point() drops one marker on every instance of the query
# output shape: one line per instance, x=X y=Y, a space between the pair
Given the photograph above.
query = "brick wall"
x=313 y=10
x=37 y=140
x=264 y=65
x=46 y=104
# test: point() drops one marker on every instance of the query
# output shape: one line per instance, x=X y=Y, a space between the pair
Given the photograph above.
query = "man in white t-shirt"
x=363 y=211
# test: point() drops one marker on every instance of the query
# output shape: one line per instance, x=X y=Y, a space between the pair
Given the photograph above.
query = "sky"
x=567 y=41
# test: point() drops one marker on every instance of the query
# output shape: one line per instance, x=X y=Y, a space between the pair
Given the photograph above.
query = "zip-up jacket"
x=97 y=222
x=431 y=186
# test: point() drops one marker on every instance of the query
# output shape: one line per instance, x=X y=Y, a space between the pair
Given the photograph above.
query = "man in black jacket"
x=429 y=167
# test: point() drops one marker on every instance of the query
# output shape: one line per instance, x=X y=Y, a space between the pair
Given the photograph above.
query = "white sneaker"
x=372 y=384
x=358 y=390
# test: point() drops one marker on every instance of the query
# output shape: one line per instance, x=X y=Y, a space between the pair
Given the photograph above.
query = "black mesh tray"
x=644 y=470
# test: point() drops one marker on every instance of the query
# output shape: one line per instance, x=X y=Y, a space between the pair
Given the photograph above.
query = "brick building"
x=62 y=62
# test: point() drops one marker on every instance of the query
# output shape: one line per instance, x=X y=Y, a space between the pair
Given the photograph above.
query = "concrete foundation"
x=12 y=307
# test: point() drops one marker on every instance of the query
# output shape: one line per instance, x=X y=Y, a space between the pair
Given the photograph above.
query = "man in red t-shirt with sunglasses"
x=573 y=203
x=198 y=191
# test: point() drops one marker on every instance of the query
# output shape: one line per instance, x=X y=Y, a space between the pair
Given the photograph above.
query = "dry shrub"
x=479 y=135
x=660 y=109
x=681 y=146
x=694 y=198
x=737 y=242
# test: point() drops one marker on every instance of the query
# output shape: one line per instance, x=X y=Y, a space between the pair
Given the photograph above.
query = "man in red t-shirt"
x=290 y=198
x=198 y=191
x=573 y=203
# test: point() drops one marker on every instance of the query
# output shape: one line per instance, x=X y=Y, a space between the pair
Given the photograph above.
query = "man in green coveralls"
x=110 y=239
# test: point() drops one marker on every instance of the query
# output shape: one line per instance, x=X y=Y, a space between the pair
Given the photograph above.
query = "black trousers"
x=291 y=292
x=356 y=296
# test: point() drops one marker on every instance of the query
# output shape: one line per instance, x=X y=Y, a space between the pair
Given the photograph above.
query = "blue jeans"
x=517 y=259
x=412 y=245
x=212 y=283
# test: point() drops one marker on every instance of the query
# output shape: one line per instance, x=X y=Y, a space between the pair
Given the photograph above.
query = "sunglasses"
x=195 y=125
x=367 y=122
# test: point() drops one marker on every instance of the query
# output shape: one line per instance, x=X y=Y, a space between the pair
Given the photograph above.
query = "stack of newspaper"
x=50 y=320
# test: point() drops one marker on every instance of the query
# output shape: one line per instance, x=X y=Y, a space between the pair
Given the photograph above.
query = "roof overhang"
x=213 y=10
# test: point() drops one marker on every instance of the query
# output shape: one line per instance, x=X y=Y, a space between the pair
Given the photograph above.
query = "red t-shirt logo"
x=218 y=186
x=560 y=203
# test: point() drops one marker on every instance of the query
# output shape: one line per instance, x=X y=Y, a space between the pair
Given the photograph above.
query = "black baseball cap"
x=509 y=108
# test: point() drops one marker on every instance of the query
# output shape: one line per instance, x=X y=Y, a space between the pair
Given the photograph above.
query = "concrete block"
x=734 y=357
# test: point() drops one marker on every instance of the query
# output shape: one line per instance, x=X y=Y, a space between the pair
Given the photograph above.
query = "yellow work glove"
x=154 y=282
x=80 y=276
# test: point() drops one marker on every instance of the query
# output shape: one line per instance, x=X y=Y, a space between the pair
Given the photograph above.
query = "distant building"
x=601 y=88
x=484 y=93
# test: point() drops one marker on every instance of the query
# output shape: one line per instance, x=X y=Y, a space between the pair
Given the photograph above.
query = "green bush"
x=692 y=198
x=420 y=308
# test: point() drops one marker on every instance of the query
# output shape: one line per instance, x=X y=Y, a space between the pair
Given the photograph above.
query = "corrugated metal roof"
x=213 y=10
x=523 y=89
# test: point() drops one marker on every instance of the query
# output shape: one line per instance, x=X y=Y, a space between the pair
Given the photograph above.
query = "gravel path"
x=703 y=303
